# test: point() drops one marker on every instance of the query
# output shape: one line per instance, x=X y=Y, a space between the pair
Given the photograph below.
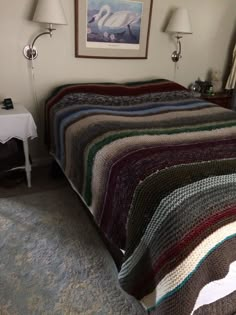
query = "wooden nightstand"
x=18 y=123
x=221 y=99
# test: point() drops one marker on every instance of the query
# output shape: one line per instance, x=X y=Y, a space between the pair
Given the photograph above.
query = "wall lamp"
x=179 y=24
x=49 y=12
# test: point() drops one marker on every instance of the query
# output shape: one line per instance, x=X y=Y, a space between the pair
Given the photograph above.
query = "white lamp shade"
x=49 y=11
x=179 y=22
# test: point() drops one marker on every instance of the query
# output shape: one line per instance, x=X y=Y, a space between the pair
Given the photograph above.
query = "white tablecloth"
x=16 y=123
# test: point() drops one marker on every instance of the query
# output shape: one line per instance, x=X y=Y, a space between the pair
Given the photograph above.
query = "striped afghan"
x=181 y=235
x=155 y=166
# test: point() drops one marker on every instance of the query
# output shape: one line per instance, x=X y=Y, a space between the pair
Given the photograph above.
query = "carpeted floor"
x=52 y=260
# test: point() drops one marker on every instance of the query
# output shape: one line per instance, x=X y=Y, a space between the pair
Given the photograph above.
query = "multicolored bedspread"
x=181 y=235
x=155 y=166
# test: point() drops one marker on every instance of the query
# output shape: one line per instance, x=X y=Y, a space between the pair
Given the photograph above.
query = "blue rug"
x=52 y=260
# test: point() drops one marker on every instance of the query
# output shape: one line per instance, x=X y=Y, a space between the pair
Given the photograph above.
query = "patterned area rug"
x=52 y=260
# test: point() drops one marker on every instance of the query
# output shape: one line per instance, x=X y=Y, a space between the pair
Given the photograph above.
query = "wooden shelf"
x=221 y=99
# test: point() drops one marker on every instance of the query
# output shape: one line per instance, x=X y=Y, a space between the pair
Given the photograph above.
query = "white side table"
x=18 y=123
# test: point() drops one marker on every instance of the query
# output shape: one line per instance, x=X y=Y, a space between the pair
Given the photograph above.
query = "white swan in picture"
x=115 y=22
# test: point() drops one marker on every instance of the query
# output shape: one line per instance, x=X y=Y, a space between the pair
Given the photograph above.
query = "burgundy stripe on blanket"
x=116 y=89
x=175 y=250
x=149 y=161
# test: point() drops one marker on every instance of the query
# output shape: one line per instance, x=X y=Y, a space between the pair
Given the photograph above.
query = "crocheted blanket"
x=181 y=235
x=154 y=138
x=106 y=138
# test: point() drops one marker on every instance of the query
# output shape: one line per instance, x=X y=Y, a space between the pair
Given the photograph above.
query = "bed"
x=156 y=168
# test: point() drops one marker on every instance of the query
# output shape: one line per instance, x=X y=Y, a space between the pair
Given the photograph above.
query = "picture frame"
x=113 y=29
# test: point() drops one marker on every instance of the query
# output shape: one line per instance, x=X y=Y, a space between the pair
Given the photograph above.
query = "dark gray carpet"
x=52 y=260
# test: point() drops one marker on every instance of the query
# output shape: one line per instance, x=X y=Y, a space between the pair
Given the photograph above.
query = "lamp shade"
x=49 y=11
x=179 y=22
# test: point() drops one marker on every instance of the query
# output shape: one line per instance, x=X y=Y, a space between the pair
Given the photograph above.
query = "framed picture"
x=117 y=29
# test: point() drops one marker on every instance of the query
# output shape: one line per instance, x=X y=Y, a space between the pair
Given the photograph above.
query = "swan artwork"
x=115 y=23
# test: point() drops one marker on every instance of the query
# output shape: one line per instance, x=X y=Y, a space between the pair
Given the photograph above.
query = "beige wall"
x=213 y=25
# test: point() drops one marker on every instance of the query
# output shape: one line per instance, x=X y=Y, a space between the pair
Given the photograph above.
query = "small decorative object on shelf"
x=216 y=80
x=196 y=89
x=206 y=87
x=201 y=87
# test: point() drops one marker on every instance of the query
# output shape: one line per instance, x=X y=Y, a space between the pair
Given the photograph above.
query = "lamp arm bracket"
x=176 y=55
x=179 y=46
x=30 y=52
x=39 y=35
